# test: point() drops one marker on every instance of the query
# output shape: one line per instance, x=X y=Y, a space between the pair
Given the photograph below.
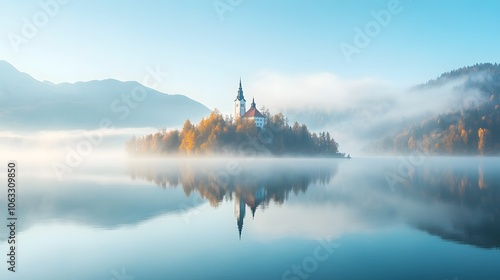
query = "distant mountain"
x=26 y=103
x=472 y=128
x=475 y=75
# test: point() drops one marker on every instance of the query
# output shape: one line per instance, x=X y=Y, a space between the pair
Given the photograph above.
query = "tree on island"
x=218 y=135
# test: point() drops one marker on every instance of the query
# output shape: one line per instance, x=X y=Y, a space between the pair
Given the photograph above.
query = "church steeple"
x=253 y=102
x=240 y=96
x=239 y=103
x=239 y=213
x=240 y=227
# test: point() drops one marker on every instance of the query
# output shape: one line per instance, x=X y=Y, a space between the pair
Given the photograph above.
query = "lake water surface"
x=365 y=218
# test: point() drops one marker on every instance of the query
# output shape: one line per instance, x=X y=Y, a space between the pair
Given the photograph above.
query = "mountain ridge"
x=471 y=129
x=467 y=72
x=26 y=103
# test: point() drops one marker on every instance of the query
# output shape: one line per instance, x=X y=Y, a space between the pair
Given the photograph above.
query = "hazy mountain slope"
x=472 y=128
x=26 y=103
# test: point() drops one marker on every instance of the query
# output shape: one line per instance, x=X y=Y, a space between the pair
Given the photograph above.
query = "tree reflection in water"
x=465 y=192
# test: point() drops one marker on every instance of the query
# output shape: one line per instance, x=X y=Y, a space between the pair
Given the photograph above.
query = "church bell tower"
x=239 y=104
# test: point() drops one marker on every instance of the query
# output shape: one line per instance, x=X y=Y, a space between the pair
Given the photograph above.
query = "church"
x=252 y=199
x=240 y=110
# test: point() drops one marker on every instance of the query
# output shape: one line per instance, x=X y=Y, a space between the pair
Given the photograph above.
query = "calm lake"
x=364 y=218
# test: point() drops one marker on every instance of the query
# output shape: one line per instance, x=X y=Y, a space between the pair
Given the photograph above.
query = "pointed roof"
x=253 y=211
x=253 y=112
x=240 y=226
x=240 y=96
x=257 y=198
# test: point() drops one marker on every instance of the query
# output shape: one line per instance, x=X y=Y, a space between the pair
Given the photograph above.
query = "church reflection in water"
x=465 y=197
x=249 y=185
x=252 y=200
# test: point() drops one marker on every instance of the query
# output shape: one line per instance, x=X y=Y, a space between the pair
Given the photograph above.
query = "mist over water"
x=66 y=150
x=260 y=209
x=80 y=187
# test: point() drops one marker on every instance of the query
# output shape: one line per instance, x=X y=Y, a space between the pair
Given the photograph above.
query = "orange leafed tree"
x=483 y=135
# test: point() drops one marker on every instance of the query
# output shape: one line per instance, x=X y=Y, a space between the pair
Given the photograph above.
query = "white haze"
x=38 y=151
x=354 y=111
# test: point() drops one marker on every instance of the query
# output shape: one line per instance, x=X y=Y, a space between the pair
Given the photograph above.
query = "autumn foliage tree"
x=483 y=135
x=472 y=128
x=218 y=135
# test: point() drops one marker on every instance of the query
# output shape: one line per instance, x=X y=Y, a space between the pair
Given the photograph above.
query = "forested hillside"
x=473 y=128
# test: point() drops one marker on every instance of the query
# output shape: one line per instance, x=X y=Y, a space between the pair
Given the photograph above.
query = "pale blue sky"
x=205 y=55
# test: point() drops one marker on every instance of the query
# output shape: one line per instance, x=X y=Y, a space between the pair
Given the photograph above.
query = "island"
x=247 y=132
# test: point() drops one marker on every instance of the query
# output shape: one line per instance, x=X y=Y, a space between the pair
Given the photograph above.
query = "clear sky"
x=206 y=50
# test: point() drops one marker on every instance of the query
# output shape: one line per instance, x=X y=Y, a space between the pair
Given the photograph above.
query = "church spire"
x=240 y=96
x=253 y=102
x=239 y=212
x=240 y=227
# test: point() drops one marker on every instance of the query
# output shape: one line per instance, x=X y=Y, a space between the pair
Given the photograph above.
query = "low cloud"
x=356 y=111
x=43 y=147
